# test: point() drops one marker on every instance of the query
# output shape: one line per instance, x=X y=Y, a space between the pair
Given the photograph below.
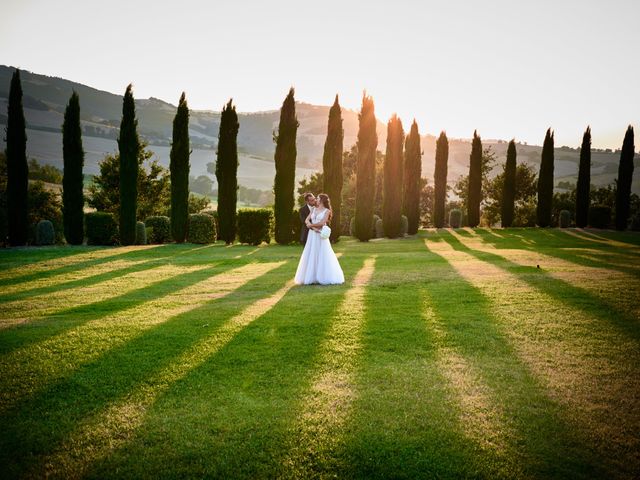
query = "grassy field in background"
x=455 y=353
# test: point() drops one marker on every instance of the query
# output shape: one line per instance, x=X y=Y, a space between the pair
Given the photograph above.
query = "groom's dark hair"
x=307 y=195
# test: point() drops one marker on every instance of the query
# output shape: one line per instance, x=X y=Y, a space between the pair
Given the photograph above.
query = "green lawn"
x=466 y=353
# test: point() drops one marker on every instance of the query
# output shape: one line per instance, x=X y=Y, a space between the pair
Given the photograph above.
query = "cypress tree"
x=474 y=196
x=227 y=172
x=411 y=176
x=625 y=176
x=72 y=180
x=545 y=182
x=366 y=168
x=509 y=186
x=392 y=186
x=17 y=168
x=440 y=180
x=129 y=145
x=179 y=170
x=332 y=165
x=285 y=160
x=584 y=181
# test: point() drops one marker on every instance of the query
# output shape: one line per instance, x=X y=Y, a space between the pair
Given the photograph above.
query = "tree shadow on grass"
x=540 y=442
x=230 y=416
x=40 y=424
x=403 y=423
x=559 y=290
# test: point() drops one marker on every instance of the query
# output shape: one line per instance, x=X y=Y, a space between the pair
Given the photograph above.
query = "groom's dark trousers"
x=304 y=231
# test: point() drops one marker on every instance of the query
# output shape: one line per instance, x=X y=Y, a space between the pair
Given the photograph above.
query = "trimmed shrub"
x=214 y=214
x=379 y=228
x=45 y=234
x=455 y=218
x=404 y=225
x=141 y=234
x=160 y=229
x=202 y=228
x=565 y=218
x=102 y=228
x=254 y=226
x=599 y=216
x=374 y=222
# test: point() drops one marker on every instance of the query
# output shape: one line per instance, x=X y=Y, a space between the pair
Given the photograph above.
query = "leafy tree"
x=285 y=160
x=17 y=169
x=412 y=177
x=73 y=180
x=440 y=180
x=129 y=146
x=179 y=168
x=332 y=165
x=426 y=202
x=524 y=214
x=46 y=173
x=625 y=176
x=509 y=186
x=43 y=204
x=474 y=196
x=202 y=184
x=545 y=182
x=197 y=204
x=313 y=184
x=461 y=187
x=366 y=169
x=584 y=181
x=227 y=173
x=393 y=170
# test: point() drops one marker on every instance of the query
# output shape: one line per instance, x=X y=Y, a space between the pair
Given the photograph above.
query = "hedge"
x=45 y=234
x=159 y=229
x=599 y=216
x=202 y=228
x=254 y=226
x=455 y=218
x=565 y=218
x=141 y=233
x=213 y=214
x=102 y=228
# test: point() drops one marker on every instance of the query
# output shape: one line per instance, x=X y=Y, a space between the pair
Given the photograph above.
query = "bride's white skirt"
x=318 y=263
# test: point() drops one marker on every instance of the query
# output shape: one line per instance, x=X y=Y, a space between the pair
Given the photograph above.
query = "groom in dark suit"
x=310 y=202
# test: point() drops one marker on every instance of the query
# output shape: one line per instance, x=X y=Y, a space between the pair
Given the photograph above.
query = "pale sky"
x=506 y=68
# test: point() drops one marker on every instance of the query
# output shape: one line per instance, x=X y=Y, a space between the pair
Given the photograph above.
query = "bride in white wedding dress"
x=318 y=263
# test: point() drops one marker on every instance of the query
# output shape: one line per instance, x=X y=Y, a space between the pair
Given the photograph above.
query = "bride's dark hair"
x=324 y=199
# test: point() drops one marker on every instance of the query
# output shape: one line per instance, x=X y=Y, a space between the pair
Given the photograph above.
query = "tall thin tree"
x=584 y=181
x=332 y=165
x=285 y=160
x=545 y=182
x=392 y=186
x=509 y=186
x=179 y=170
x=440 y=180
x=366 y=168
x=227 y=172
x=17 y=168
x=73 y=180
x=625 y=177
x=412 y=179
x=129 y=145
x=474 y=196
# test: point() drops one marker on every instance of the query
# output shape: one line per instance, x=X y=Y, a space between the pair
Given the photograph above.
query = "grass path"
x=455 y=353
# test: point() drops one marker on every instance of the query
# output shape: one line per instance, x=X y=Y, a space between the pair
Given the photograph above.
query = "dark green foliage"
x=129 y=146
x=296 y=224
x=412 y=179
x=45 y=234
x=366 y=169
x=43 y=204
x=285 y=159
x=179 y=168
x=102 y=228
x=332 y=167
x=227 y=173
x=3 y=200
x=197 y=204
x=440 y=180
x=545 y=182
x=565 y=219
x=213 y=214
x=455 y=218
x=17 y=169
x=392 y=178
x=599 y=216
x=73 y=180
x=584 y=181
x=509 y=186
x=379 y=227
x=141 y=233
x=254 y=226
x=625 y=176
x=160 y=229
x=46 y=173
x=202 y=228
x=404 y=225
x=474 y=195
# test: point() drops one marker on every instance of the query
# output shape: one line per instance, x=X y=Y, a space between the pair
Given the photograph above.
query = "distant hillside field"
x=45 y=99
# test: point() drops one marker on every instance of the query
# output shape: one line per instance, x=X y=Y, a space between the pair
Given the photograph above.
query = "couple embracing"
x=318 y=263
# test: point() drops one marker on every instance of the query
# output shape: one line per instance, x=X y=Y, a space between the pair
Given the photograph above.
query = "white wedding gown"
x=318 y=263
